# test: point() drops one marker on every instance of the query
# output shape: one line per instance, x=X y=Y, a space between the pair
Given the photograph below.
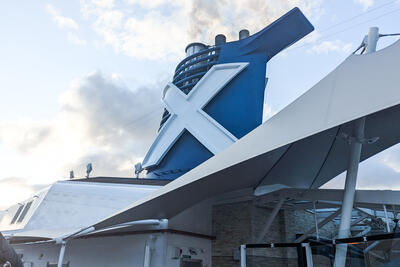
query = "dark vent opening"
x=17 y=214
x=25 y=211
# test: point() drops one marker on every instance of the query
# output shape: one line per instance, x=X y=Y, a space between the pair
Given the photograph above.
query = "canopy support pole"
x=309 y=259
x=62 y=252
x=243 y=256
x=147 y=256
x=356 y=142
x=349 y=191
x=316 y=220
x=386 y=218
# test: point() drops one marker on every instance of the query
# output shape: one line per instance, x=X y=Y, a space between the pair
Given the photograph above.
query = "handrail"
x=190 y=63
x=315 y=243
x=214 y=48
x=193 y=70
x=196 y=75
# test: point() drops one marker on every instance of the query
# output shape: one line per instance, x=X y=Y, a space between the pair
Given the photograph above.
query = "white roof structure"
x=67 y=206
x=299 y=146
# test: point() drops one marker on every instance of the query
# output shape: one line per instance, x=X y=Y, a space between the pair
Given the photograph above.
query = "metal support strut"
x=352 y=168
x=242 y=255
x=62 y=252
x=270 y=220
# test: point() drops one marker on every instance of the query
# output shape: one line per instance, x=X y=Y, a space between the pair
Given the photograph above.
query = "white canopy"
x=298 y=147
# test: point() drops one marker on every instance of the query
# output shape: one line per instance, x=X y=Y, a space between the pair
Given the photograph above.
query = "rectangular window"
x=17 y=214
x=25 y=211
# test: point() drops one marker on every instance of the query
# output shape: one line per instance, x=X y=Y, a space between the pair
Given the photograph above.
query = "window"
x=25 y=211
x=17 y=214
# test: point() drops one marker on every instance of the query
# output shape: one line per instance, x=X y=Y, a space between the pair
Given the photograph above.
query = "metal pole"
x=62 y=252
x=386 y=218
x=270 y=220
x=316 y=221
x=243 y=256
x=147 y=256
x=352 y=169
x=308 y=254
x=349 y=191
x=373 y=36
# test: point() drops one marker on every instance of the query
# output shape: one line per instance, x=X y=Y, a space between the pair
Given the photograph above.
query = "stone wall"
x=240 y=223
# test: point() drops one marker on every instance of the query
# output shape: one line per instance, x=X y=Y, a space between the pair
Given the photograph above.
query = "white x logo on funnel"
x=187 y=113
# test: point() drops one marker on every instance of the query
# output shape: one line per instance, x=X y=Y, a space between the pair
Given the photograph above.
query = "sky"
x=81 y=81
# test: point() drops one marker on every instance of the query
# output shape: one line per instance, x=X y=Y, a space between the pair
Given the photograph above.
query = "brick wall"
x=240 y=223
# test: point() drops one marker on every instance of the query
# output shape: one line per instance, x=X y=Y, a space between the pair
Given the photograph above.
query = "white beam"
x=309 y=259
x=62 y=252
x=322 y=223
x=243 y=256
x=270 y=220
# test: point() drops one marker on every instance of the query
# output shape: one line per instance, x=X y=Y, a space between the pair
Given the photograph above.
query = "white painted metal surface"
x=67 y=206
x=186 y=113
x=255 y=157
x=121 y=251
x=243 y=256
x=62 y=253
x=309 y=259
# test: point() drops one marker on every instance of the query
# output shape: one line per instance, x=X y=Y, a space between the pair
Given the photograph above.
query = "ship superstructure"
x=216 y=178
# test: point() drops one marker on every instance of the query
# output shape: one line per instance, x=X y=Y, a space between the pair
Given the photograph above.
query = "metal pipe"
x=352 y=169
x=270 y=220
x=309 y=259
x=62 y=252
x=244 y=34
x=316 y=221
x=349 y=191
x=220 y=39
x=242 y=255
x=374 y=244
x=373 y=36
x=321 y=224
x=147 y=256
x=386 y=218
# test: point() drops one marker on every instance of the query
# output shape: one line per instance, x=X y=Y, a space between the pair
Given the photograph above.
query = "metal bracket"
x=352 y=139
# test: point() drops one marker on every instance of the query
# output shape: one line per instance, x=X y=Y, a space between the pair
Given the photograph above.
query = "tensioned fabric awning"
x=299 y=146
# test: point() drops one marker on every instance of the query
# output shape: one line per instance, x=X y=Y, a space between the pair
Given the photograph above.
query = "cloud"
x=104 y=3
x=24 y=135
x=391 y=159
x=325 y=47
x=66 y=23
x=100 y=121
x=73 y=38
x=365 y=3
x=380 y=172
x=61 y=21
x=161 y=29
x=15 y=189
x=208 y=18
